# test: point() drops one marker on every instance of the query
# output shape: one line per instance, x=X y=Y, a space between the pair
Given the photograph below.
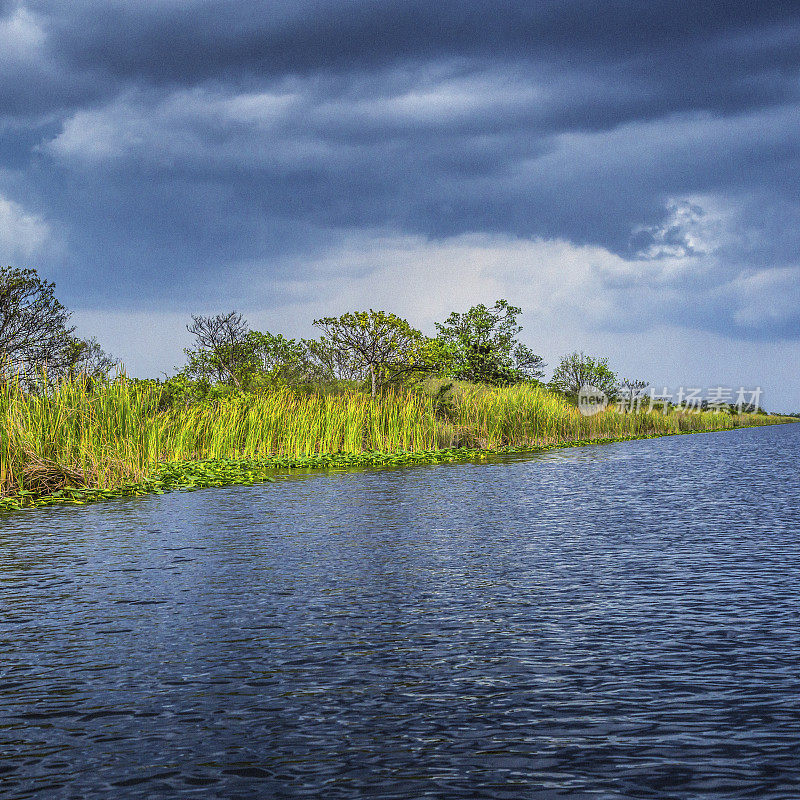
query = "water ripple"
x=610 y=622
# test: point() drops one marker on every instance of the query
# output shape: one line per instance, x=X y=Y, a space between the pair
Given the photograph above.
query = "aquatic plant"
x=77 y=441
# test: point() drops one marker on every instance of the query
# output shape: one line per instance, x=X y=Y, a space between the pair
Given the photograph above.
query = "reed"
x=115 y=435
x=531 y=416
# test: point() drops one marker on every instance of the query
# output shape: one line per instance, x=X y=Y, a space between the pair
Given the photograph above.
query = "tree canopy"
x=481 y=345
x=577 y=370
x=87 y=358
x=35 y=335
x=222 y=352
x=383 y=345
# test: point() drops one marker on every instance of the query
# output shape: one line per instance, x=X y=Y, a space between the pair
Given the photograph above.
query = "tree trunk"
x=236 y=382
x=372 y=373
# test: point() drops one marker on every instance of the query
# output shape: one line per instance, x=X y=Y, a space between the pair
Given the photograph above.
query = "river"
x=615 y=621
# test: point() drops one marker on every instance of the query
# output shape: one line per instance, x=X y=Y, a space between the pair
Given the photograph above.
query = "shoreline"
x=218 y=473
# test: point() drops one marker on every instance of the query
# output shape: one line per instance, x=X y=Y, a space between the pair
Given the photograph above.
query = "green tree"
x=328 y=362
x=629 y=393
x=87 y=358
x=229 y=353
x=278 y=359
x=577 y=370
x=481 y=346
x=383 y=345
x=34 y=327
x=222 y=353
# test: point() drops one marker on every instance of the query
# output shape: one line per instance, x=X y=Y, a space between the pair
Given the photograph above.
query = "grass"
x=75 y=445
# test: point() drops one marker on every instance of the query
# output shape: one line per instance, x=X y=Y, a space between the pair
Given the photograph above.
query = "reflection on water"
x=610 y=622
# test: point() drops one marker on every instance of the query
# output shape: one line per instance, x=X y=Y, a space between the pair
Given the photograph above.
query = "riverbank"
x=75 y=445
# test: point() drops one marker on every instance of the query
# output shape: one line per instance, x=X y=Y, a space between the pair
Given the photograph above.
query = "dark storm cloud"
x=721 y=55
x=179 y=42
x=168 y=143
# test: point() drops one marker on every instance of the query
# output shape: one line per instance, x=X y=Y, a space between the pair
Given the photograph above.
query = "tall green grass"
x=116 y=434
x=526 y=415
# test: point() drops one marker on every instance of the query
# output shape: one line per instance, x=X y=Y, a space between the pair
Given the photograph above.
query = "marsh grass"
x=531 y=416
x=73 y=439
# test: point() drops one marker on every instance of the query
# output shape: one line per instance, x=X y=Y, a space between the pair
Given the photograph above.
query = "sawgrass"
x=73 y=443
x=527 y=415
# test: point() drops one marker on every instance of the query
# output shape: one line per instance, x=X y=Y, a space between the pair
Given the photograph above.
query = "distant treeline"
x=74 y=428
x=371 y=350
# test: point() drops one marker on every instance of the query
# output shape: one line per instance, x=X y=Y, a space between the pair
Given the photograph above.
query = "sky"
x=625 y=172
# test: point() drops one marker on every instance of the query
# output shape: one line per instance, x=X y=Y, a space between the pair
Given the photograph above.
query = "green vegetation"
x=372 y=390
x=481 y=346
x=382 y=345
x=75 y=442
x=35 y=334
x=577 y=370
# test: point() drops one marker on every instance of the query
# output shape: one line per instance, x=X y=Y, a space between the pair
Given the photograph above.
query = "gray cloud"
x=188 y=153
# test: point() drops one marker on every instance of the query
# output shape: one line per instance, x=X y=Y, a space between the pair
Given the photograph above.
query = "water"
x=620 y=621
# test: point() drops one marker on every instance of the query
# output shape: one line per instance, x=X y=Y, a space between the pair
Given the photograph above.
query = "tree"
x=481 y=346
x=329 y=362
x=223 y=353
x=228 y=352
x=629 y=393
x=34 y=332
x=278 y=358
x=85 y=357
x=577 y=370
x=527 y=365
x=382 y=345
